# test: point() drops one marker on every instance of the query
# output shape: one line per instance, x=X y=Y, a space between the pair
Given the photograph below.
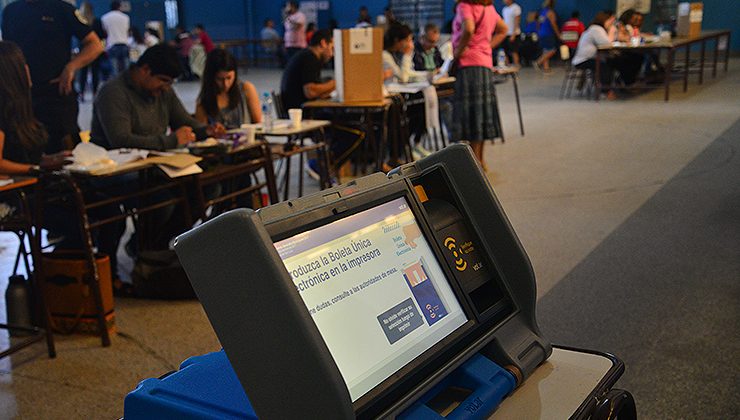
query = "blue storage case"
x=205 y=387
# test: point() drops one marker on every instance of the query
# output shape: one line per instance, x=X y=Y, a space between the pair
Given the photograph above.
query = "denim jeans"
x=119 y=56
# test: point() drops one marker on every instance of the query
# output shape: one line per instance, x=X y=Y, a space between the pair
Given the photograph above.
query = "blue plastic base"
x=487 y=382
x=205 y=387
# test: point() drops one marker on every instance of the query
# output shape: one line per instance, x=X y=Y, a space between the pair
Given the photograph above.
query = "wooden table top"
x=328 y=103
x=19 y=182
x=675 y=42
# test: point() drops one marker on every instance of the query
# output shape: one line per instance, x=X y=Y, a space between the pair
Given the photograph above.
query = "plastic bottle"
x=501 y=58
x=18 y=304
x=267 y=111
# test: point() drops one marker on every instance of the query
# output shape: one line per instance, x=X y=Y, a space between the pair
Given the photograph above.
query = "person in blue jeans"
x=548 y=33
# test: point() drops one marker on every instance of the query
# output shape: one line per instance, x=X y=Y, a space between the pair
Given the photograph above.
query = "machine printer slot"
x=478 y=277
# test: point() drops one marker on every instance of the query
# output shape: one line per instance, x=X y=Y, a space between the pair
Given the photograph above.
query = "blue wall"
x=228 y=19
x=224 y=19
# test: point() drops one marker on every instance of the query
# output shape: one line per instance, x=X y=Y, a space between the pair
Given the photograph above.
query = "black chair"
x=21 y=222
x=277 y=101
x=582 y=79
x=296 y=146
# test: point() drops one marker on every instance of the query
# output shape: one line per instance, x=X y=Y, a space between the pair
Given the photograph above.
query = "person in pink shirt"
x=295 y=29
x=476 y=30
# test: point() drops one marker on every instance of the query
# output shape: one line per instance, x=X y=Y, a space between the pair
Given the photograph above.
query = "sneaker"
x=421 y=150
x=312 y=169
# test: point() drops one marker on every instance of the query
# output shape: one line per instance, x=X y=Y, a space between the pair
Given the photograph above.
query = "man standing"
x=427 y=56
x=116 y=24
x=512 y=15
x=203 y=38
x=302 y=76
x=295 y=29
x=43 y=29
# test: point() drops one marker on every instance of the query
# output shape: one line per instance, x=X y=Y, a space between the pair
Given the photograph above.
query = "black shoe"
x=123 y=290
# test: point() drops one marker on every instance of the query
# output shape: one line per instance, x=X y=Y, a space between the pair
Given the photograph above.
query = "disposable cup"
x=250 y=130
x=296 y=116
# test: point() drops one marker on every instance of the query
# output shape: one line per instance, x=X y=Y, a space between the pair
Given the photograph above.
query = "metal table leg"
x=514 y=78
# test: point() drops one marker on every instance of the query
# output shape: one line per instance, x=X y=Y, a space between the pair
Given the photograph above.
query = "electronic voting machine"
x=405 y=295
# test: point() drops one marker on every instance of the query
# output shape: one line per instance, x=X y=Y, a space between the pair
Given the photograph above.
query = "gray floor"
x=628 y=210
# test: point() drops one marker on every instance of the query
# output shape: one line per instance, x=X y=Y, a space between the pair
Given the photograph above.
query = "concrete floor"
x=581 y=170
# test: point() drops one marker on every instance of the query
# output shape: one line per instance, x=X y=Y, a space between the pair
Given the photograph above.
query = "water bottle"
x=18 y=304
x=267 y=109
x=501 y=58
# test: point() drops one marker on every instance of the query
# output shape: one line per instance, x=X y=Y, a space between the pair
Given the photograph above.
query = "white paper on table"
x=175 y=173
x=444 y=70
x=406 y=87
x=4 y=182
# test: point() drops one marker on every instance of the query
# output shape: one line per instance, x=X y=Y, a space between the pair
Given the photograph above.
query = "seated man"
x=427 y=56
x=137 y=108
x=301 y=80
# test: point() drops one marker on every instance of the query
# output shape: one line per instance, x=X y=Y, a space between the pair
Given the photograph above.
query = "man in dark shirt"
x=137 y=108
x=426 y=53
x=43 y=29
x=302 y=76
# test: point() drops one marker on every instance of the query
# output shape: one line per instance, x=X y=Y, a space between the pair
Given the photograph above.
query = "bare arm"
x=253 y=103
x=518 y=23
x=8 y=166
x=91 y=49
x=319 y=90
x=554 y=23
x=499 y=33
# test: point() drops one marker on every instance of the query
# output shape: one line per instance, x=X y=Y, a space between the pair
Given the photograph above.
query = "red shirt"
x=205 y=40
x=571 y=32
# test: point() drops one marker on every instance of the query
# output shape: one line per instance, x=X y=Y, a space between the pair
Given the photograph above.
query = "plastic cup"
x=250 y=131
x=296 y=116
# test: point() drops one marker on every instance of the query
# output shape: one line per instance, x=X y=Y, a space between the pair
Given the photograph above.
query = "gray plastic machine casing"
x=268 y=334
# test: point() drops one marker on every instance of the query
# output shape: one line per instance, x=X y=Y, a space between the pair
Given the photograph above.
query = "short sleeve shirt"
x=302 y=69
x=509 y=13
x=295 y=38
x=43 y=30
x=479 y=51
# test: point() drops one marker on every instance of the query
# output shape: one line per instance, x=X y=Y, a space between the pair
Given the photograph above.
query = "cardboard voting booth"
x=358 y=64
x=688 y=22
x=400 y=296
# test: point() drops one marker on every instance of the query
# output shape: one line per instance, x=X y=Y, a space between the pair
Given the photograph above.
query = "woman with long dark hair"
x=476 y=30
x=601 y=32
x=223 y=97
x=22 y=137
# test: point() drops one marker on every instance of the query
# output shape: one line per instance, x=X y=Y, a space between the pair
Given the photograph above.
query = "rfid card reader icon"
x=460 y=263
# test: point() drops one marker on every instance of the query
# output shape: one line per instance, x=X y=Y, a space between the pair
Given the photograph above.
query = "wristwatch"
x=34 y=170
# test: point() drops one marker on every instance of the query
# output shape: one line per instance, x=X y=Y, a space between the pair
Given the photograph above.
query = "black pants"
x=58 y=113
x=606 y=71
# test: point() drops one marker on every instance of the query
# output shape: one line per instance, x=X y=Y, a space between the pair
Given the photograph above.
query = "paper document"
x=173 y=172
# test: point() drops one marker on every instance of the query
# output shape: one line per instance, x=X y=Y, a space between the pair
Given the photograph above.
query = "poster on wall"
x=642 y=6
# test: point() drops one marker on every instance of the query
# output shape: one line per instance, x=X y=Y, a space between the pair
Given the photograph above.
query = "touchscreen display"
x=374 y=289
